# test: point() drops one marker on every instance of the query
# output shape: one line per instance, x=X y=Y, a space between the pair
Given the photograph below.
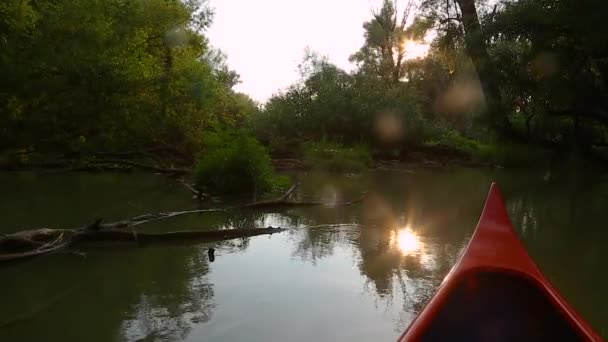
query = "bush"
x=504 y=154
x=235 y=163
x=515 y=155
x=335 y=157
x=453 y=140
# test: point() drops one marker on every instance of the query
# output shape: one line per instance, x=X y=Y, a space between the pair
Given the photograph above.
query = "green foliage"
x=515 y=155
x=554 y=68
x=81 y=75
x=384 y=51
x=330 y=104
x=335 y=157
x=538 y=79
x=455 y=141
x=503 y=154
x=235 y=163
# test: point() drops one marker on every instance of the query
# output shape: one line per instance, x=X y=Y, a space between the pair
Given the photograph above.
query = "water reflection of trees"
x=177 y=295
x=317 y=242
x=561 y=220
x=409 y=277
x=180 y=294
x=441 y=210
x=148 y=294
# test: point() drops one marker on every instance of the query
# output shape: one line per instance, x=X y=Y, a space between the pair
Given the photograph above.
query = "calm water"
x=356 y=273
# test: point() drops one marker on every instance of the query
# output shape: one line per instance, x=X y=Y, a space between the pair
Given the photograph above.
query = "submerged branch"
x=36 y=242
x=199 y=195
x=75 y=237
x=146 y=218
x=190 y=235
x=173 y=171
x=30 y=254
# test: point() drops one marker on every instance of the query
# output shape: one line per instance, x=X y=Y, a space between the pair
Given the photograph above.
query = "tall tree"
x=556 y=65
x=464 y=13
x=475 y=41
x=384 y=50
x=85 y=74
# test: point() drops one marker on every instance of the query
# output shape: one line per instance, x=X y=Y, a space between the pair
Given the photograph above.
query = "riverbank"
x=177 y=164
x=415 y=159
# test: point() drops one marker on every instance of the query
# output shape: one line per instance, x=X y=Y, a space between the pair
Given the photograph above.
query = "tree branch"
x=446 y=20
x=36 y=242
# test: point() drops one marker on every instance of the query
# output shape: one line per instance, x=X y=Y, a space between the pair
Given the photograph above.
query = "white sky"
x=265 y=39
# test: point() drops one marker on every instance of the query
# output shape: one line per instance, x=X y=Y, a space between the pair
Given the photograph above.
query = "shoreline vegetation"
x=322 y=156
x=153 y=94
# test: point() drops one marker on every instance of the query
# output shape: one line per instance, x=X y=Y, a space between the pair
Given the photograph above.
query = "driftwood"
x=36 y=242
x=147 y=152
x=153 y=168
x=190 y=235
x=69 y=238
x=98 y=163
x=146 y=218
x=199 y=195
x=287 y=164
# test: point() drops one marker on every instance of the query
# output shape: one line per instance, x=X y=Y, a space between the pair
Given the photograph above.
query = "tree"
x=465 y=14
x=557 y=67
x=386 y=35
x=86 y=75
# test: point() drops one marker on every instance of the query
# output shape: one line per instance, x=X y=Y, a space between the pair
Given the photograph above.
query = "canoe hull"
x=496 y=292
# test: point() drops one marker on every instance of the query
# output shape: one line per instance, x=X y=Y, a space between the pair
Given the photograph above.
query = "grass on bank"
x=335 y=157
x=503 y=154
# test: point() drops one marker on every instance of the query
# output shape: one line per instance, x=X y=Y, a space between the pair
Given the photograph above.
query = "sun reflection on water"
x=407 y=241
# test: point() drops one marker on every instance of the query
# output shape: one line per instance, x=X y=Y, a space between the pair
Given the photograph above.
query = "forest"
x=93 y=85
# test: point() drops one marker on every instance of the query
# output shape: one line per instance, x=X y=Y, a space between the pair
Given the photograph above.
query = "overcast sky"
x=265 y=39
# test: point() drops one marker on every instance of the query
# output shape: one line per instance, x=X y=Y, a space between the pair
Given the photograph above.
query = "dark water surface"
x=356 y=273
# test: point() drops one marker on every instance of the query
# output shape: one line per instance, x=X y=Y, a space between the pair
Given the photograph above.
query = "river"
x=356 y=273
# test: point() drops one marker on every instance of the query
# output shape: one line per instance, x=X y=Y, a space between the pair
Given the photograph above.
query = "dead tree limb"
x=289 y=191
x=199 y=195
x=36 y=242
x=146 y=218
x=72 y=238
x=189 y=235
x=173 y=171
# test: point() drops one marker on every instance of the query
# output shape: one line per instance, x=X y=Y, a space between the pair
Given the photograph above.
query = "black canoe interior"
x=494 y=306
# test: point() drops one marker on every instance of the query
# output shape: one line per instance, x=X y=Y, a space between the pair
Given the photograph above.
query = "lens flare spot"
x=463 y=96
x=545 y=65
x=389 y=127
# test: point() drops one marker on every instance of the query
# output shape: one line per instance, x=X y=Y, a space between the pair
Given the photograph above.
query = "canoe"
x=495 y=292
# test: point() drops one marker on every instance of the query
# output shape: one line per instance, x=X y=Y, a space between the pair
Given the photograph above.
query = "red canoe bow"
x=495 y=292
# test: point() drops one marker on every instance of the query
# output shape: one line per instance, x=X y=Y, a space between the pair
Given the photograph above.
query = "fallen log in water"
x=73 y=238
x=153 y=168
x=37 y=242
x=195 y=235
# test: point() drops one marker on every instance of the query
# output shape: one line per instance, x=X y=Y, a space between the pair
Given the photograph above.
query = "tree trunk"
x=165 y=81
x=478 y=51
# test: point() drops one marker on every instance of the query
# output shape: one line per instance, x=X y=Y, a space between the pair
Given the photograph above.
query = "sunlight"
x=407 y=241
x=415 y=50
